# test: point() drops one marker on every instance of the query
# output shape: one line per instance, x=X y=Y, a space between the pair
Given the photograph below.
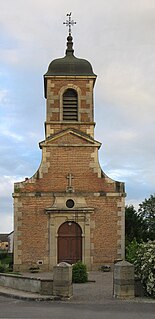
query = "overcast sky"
x=118 y=38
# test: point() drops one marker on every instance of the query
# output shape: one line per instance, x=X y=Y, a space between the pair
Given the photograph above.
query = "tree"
x=135 y=226
x=147 y=212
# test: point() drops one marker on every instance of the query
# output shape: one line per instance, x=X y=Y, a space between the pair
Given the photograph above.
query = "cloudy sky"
x=118 y=38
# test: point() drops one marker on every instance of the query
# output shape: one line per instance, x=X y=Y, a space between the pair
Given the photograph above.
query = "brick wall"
x=55 y=90
x=39 y=202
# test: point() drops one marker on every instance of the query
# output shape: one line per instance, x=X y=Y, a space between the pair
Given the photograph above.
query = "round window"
x=70 y=203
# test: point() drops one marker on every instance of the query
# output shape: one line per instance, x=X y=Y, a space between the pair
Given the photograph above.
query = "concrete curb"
x=20 y=295
x=36 y=297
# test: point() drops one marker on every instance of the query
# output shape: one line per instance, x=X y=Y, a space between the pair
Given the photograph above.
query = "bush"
x=3 y=267
x=3 y=254
x=131 y=251
x=145 y=266
x=6 y=262
x=143 y=257
x=79 y=273
x=6 y=258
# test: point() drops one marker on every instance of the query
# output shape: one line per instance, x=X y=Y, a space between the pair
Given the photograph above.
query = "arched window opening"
x=70 y=105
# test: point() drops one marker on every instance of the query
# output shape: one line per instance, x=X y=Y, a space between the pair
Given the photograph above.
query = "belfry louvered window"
x=70 y=105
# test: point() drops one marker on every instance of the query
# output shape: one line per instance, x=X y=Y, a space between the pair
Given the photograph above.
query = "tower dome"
x=70 y=65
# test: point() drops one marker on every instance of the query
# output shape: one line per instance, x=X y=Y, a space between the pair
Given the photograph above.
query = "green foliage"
x=3 y=254
x=147 y=212
x=131 y=251
x=3 y=267
x=135 y=226
x=140 y=242
x=143 y=257
x=145 y=266
x=79 y=273
x=140 y=225
x=6 y=262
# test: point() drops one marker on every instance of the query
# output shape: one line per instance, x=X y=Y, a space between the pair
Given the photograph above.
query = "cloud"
x=12 y=135
x=3 y=97
x=117 y=38
x=6 y=223
x=6 y=184
x=6 y=206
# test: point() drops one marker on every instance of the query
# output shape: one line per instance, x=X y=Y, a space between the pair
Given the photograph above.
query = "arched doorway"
x=69 y=242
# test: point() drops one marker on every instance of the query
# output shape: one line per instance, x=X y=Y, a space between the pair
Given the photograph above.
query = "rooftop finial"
x=69 y=23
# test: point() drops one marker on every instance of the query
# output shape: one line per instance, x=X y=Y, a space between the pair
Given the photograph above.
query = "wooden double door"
x=69 y=243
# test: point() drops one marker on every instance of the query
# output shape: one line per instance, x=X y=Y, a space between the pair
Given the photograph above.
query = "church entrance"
x=69 y=242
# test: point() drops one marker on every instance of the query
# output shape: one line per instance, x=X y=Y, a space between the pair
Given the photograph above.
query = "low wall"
x=37 y=285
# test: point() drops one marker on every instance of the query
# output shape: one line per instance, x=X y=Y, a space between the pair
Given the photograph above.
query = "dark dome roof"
x=70 y=65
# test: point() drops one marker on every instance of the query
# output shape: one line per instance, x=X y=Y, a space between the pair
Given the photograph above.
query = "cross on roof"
x=69 y=23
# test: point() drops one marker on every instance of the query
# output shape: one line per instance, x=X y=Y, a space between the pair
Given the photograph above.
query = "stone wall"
x=41 y=286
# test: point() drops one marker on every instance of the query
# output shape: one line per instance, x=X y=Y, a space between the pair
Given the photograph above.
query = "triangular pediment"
x=70 y=137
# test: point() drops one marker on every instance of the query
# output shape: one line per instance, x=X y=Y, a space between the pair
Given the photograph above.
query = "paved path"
x=99 y=290
x=99 y=287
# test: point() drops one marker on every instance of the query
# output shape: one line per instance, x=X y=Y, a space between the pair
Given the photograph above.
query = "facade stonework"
x=69 y=187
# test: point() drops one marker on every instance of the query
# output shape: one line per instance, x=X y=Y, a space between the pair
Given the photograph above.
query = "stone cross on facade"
x=69 y=23
x=69 y=186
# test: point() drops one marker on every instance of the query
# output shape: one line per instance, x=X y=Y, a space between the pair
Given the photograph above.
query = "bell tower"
x=69 y=210
x=69 y=84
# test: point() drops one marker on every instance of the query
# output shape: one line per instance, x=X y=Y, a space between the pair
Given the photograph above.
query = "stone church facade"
x=69 y=210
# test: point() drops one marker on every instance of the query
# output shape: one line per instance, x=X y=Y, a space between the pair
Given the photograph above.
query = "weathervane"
x=69 y=23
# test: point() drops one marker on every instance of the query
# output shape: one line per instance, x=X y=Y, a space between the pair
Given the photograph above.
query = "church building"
x=69 y=210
